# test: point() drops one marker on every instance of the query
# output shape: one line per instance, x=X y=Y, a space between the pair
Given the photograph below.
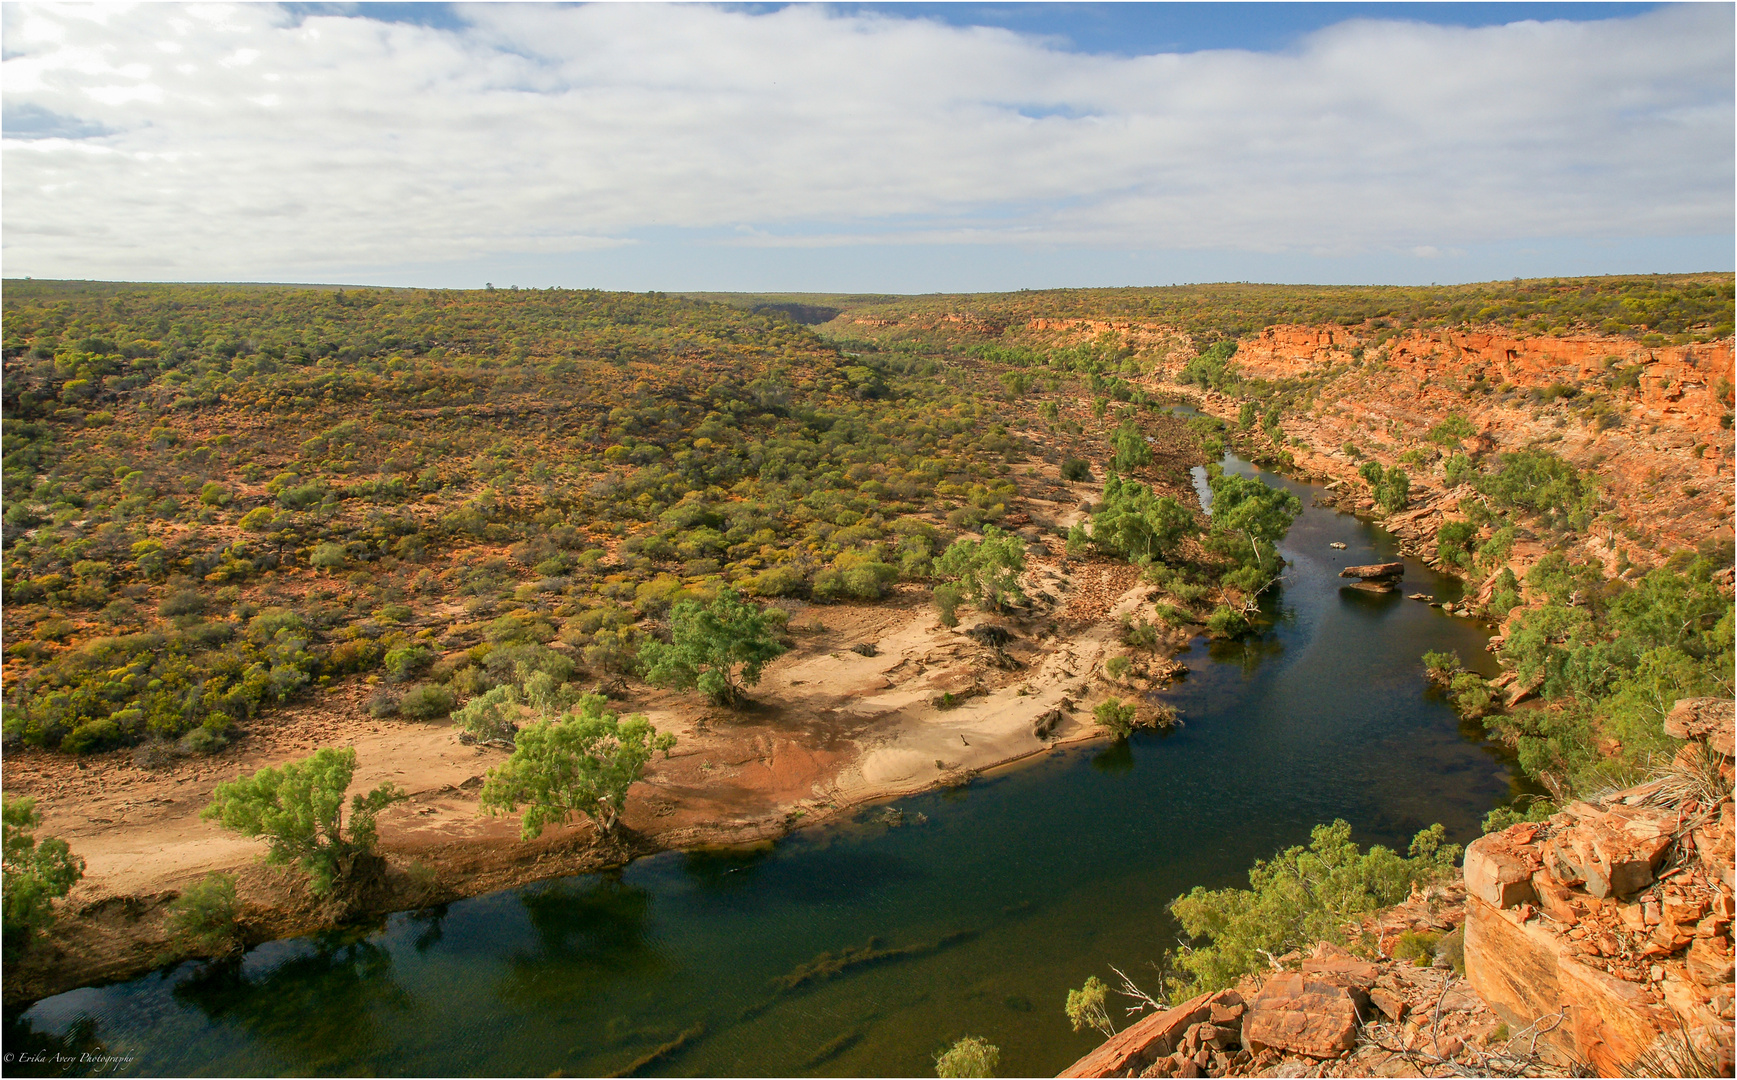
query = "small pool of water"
x=974 y=917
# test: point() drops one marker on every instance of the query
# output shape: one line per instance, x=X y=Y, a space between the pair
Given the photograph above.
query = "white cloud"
x=346 y=142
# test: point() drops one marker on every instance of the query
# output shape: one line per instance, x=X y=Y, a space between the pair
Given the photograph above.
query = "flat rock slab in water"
x=1376 y=585
x=1375 y=570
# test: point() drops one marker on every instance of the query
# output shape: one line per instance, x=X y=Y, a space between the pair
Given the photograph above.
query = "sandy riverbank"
x=830 y=730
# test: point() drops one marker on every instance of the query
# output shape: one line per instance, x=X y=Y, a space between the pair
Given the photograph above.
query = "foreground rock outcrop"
x=1597 y=942
x=1616 y=916
x=1331 y=1013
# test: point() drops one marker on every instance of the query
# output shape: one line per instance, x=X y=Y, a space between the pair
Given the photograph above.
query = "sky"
x=898 y=148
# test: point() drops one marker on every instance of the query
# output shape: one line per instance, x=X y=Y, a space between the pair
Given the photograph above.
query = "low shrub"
x=426 y=701
x=203 y=919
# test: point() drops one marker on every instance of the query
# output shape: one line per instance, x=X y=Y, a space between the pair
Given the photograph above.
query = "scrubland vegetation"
x=220 y=499
x=503 y=505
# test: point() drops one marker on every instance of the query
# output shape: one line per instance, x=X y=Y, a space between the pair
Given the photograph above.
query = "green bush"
x=970 y=1056
x=259 y=519
x=1227 y=622
x=1117 y=666
x=408 y=661
x=1394 y=491
x=1501 y=817
x=1212 y=368
x=1301 y=896
x=1085 y=1007
x=1076 y=469
x=92 y=735
x=328 y=557
x=1458 y=470
x=299 y=807
x=426 y=701
x=35 y=873
x=1452 y=430
x=1131 y=449
x=782 y=580
x=1543 y=483
x=1416 y=946
x=1442 y=666
x=1452 y=948
x=1139 y=526
x=987 y=570
x=947 y=599
x=1453 y=543
x=581 y=764
x=719 y=647
x=1116 y=717
x=1473 y=697
x=203 y=919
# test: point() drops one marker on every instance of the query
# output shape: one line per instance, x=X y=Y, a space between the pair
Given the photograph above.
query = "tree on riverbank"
x=299 y=809
x=986 y=570
x=35 y=872
x=582 y=763
x=1248 y=510
x=718 y=647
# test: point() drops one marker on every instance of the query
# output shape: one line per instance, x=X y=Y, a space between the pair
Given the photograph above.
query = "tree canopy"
x=1138 y=525
x=719 y=647
x=578 y=764
x=35 y=872
x=299 y=808
x=1247 y=507
x=987 y=570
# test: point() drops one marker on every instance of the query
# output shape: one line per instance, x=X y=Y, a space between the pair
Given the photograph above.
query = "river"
x=1003 y=895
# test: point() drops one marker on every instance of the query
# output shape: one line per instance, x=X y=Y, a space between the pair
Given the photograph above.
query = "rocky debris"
x=1332 y=1013
x=1046 y=723
x=1201 y=1034
x=1329 y=1014
x=1708 y=720
x=1615 y=916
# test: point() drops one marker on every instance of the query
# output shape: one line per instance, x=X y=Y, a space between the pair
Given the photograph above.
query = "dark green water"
x=1051 y=870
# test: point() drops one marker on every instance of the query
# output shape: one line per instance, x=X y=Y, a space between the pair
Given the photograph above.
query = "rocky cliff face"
x=1652 y=423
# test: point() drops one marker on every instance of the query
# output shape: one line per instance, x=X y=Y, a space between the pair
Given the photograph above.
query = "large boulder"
x=1375 y=571
x=1302 y=1014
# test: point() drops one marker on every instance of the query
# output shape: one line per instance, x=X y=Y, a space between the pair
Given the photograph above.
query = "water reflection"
x=1116 y=758
x=432 y=921
x=1063 y=866
x=724 y=870
x=1246 y=653
x=319 y=1011
x=1366 y=603
x=32 y=1052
